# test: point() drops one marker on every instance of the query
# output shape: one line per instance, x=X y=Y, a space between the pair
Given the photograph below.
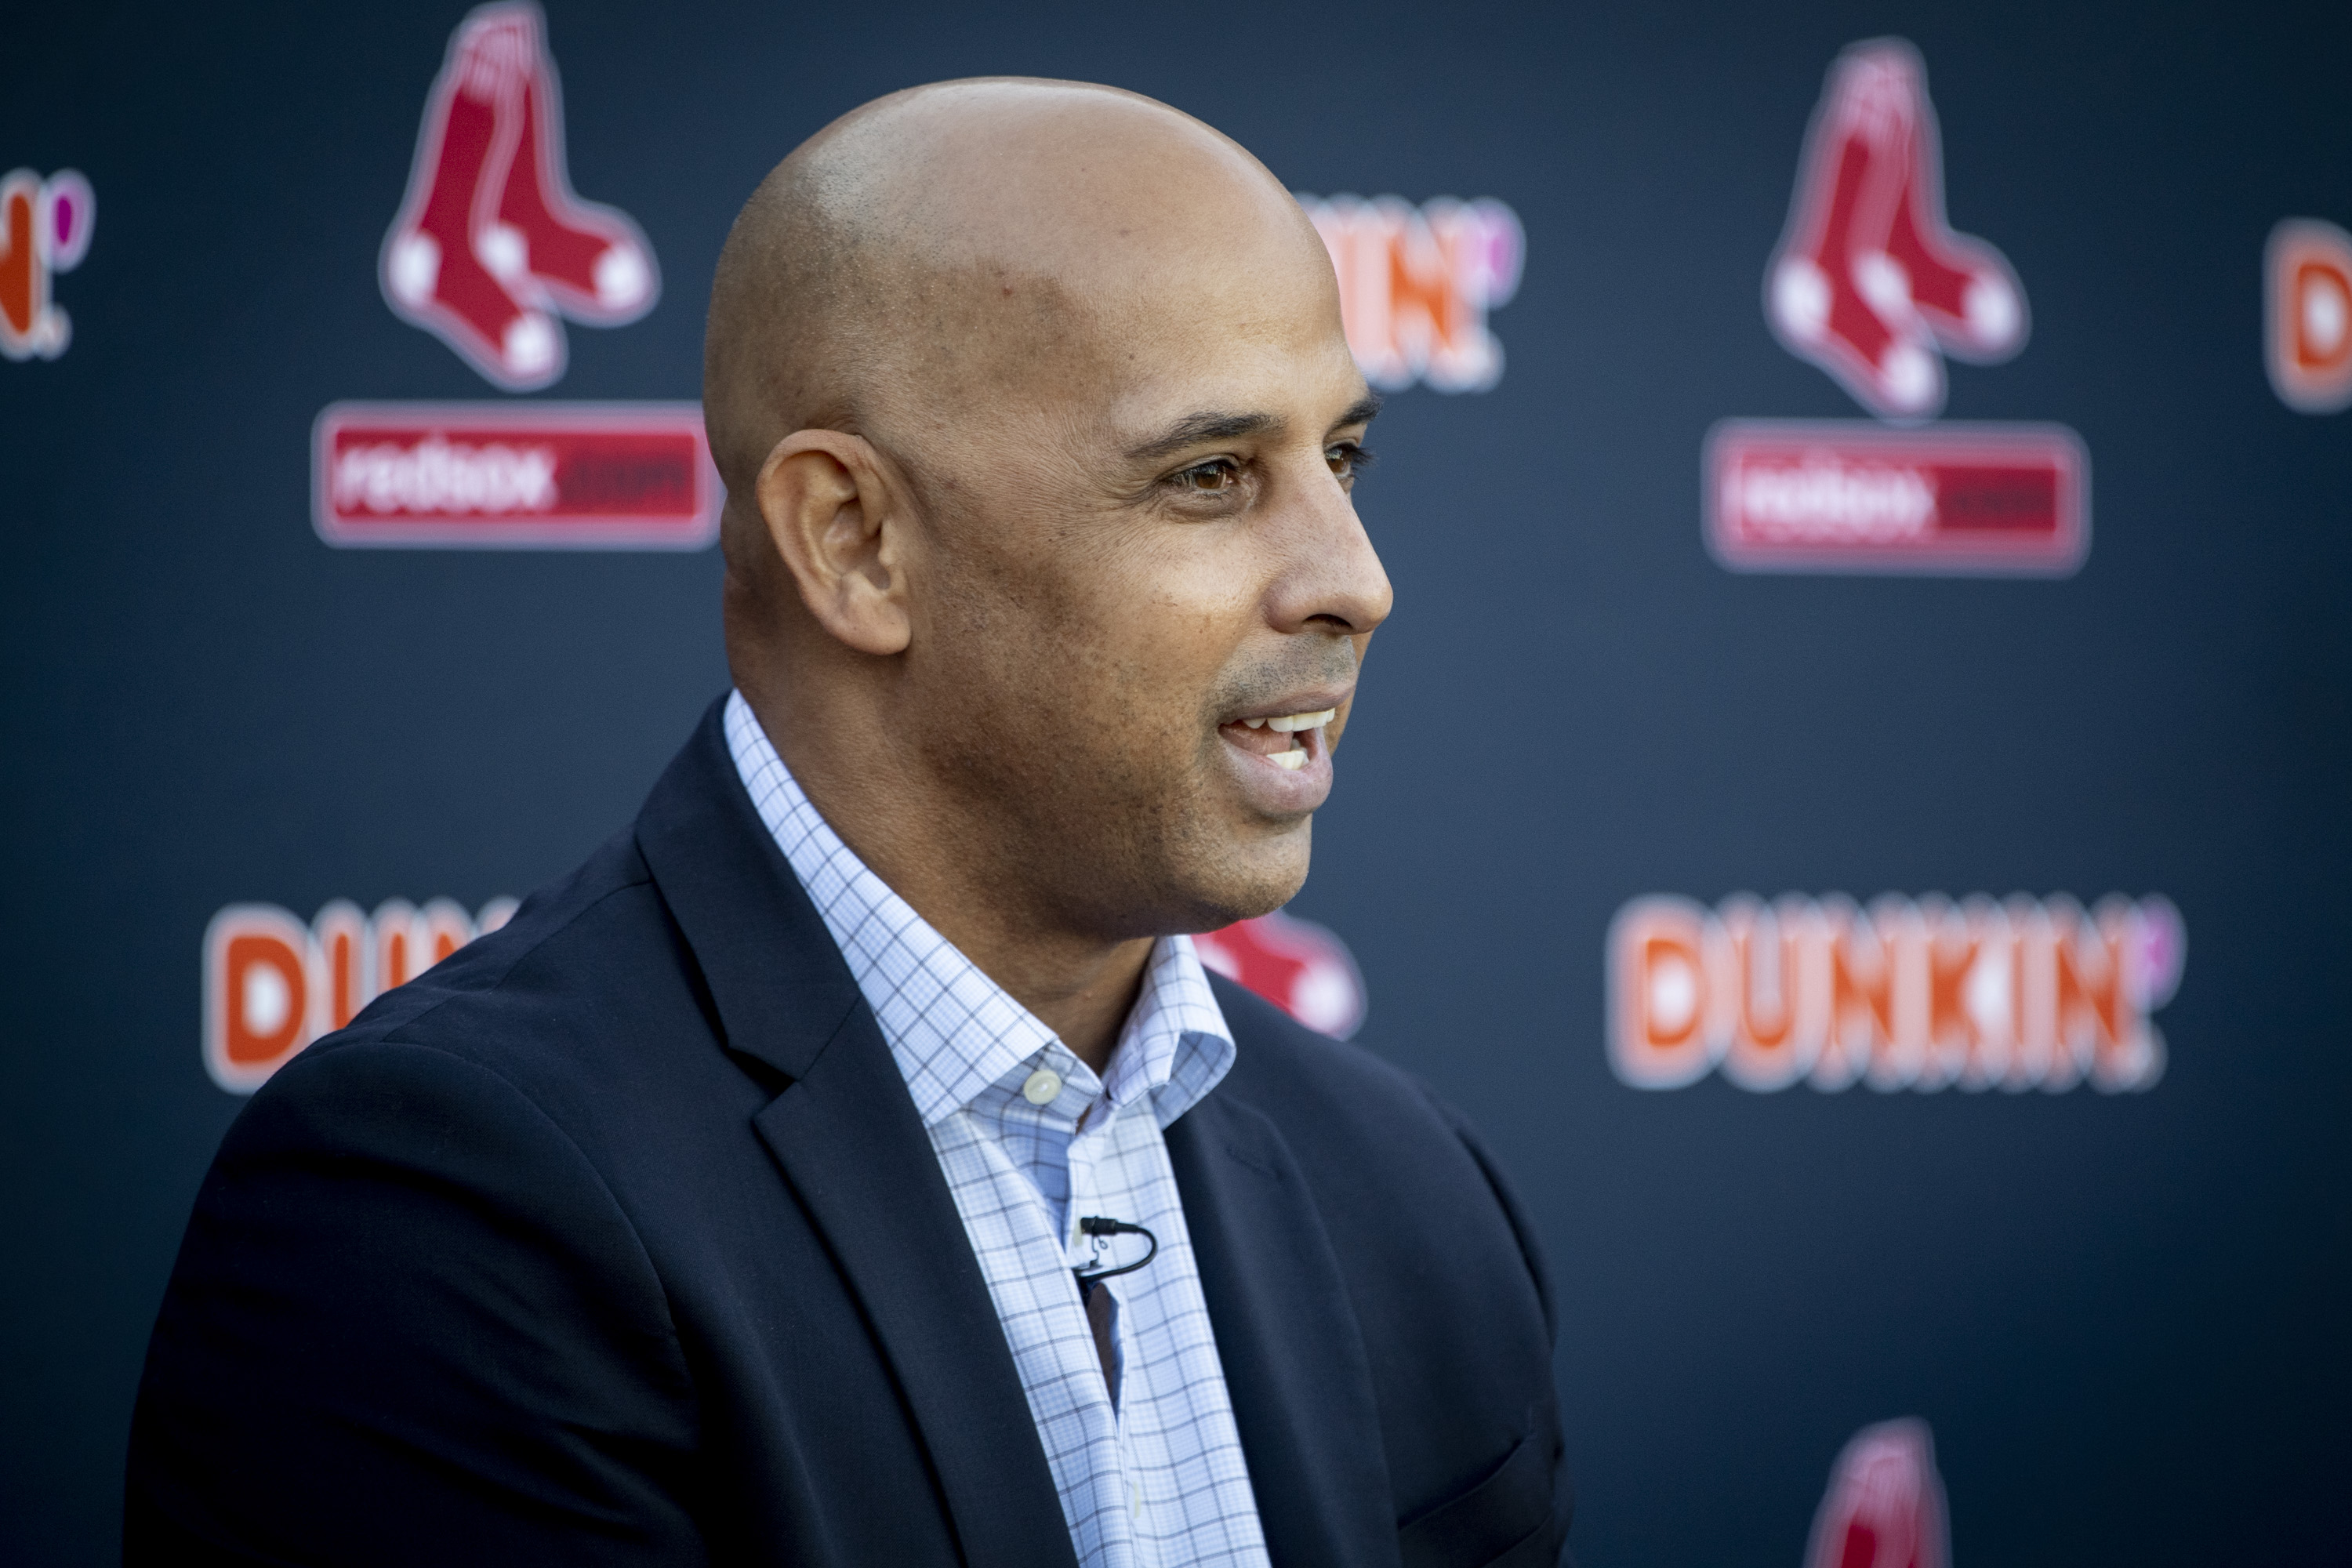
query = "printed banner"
x=1917 y=993
x=579 y=475
x=1833 y=495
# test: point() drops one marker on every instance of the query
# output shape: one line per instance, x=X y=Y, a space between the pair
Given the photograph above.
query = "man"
x=743 y=1199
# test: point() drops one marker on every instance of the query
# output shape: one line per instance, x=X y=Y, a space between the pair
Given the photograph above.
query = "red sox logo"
x=1870 y=282
x=491 y=246
x=490 y=251
x=1296 y=964
x=45 y=228
x=1885 y=1506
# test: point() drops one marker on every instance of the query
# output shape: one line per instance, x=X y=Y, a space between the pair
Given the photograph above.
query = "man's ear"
x=839 y=520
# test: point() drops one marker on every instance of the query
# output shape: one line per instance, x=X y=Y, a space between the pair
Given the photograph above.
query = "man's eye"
x=1347 y=459
x=1212 y=477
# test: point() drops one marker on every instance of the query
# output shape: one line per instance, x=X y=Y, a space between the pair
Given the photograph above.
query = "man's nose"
x=1332 y=577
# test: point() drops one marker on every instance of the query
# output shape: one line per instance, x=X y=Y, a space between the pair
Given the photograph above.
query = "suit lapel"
x=873 y=1185
x=849 y=1143
x=1287 y=1335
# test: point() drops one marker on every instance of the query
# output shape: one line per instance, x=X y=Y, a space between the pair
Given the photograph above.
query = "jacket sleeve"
x=409 y=1323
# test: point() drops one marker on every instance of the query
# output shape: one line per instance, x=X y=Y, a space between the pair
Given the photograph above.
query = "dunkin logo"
x=1297 y=966
x=1885 y=1506
x=273 y=984
x=1870 y=282
x=1920 y=994
x=1416 y=282
x=2307 y=328
x=44 y=229
x=491 y=249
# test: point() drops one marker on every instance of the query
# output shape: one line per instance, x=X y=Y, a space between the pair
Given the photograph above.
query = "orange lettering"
x=1777 y=983
x=257 y=993
x=2323 y=316
x=1659 y=1037
x=2308 y=303
x=341 y=932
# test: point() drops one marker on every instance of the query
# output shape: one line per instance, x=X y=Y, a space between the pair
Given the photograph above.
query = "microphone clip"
x=1101 y=1229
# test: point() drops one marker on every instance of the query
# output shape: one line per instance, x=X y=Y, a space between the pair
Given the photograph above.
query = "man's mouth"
x=1282 y=740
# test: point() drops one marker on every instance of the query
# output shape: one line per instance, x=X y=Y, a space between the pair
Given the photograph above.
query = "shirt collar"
x=954 y=1031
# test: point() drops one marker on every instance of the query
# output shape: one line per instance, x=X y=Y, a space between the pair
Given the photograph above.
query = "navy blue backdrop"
x=2123 y=1315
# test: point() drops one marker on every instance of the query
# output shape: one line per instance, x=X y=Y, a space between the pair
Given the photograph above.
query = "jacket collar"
x=1294 y=1357
x=851 y=1148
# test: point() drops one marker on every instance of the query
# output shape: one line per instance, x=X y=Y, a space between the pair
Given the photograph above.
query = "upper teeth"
x=1292 y=721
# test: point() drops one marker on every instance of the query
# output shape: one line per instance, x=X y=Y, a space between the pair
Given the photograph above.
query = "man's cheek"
x=1191 y=641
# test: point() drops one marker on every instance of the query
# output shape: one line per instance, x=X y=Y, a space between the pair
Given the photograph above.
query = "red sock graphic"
x=1962 y=287
x=591 y=257
x=1870 y=280
x=434 y=269
x=490 y=243
x=1885 y=1506
x=1297 y=966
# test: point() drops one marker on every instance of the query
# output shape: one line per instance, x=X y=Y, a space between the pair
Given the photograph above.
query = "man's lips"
x=1287 y=739
x=1283 y=749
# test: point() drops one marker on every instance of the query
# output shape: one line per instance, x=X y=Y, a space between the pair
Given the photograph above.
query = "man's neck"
x=1079 y=986
x=1086 y=1005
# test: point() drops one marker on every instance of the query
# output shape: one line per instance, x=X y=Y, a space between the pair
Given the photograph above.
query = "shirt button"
x=1043 y=1086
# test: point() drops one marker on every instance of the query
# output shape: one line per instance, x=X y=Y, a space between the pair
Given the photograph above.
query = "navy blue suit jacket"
x=614 y=1238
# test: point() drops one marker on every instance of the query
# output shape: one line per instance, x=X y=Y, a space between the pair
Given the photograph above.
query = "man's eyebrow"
x=1196 y=428
x=1363 y=411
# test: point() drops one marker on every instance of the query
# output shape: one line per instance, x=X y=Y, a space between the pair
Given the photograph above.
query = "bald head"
x=1039 y=429
x=952 y=242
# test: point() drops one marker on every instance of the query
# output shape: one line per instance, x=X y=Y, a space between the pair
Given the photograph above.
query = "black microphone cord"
x=1100 y=1228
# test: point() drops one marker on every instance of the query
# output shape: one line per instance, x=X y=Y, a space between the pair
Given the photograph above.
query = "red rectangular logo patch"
x=504 y=476
x=1833 y=495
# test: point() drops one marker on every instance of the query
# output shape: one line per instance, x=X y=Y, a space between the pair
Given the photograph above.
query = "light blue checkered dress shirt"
x=1159 y=1481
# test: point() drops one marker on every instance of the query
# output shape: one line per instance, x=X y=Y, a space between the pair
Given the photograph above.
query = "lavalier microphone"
x=1102 y=1229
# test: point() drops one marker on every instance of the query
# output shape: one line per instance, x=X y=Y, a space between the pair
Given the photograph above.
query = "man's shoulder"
x=569 y=947
x=1299 y=1077
x=587 y=995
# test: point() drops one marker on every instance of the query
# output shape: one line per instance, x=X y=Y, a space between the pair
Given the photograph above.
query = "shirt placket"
x=1088 y=1153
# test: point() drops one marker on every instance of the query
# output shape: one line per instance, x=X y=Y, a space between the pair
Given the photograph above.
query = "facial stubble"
x=1101 y=804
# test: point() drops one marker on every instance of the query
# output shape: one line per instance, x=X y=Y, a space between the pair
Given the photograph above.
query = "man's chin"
x=1252 y=879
